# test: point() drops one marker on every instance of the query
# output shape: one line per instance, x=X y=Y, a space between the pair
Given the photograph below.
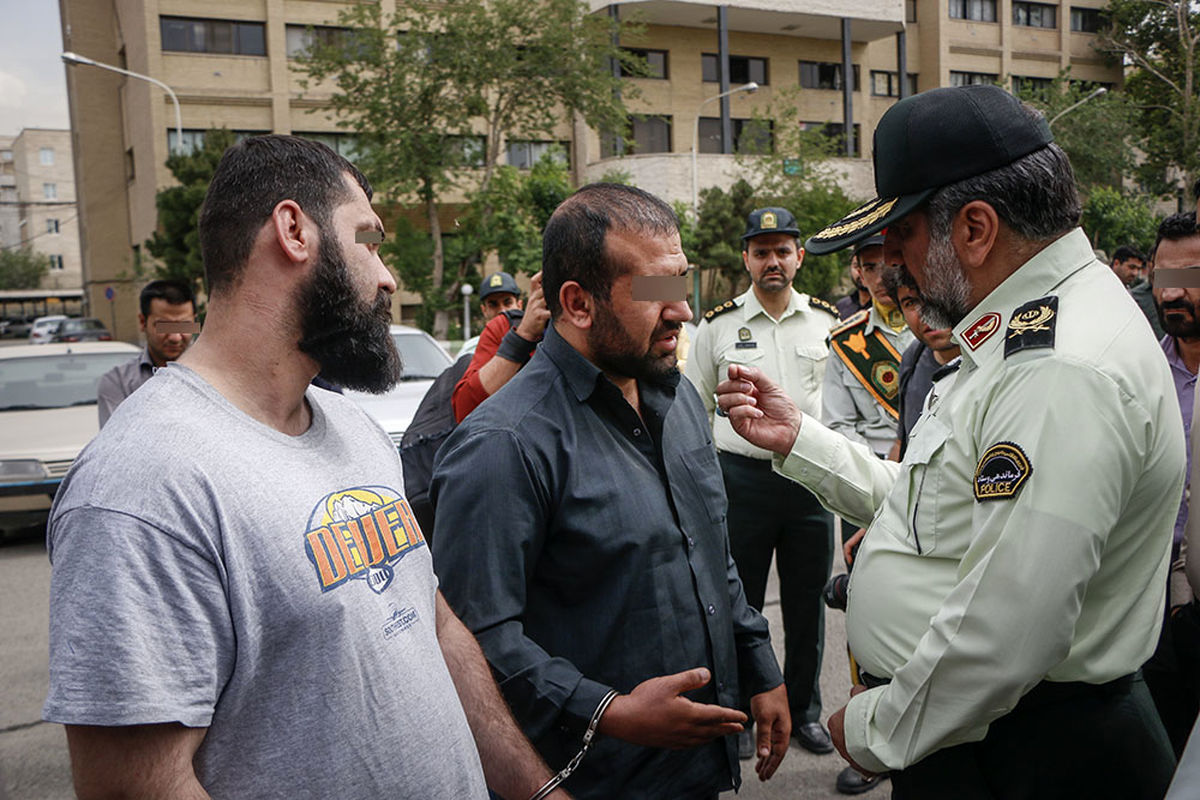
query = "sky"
x=33 y=85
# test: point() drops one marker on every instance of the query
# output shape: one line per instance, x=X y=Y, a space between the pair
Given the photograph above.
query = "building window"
x=469 y=151
x=52 y=226
x=656 y=60
x=524 y=154
x=6 y=155
x=824 y=75
x=646 y=135
x=1085 y=20
x=193 y=139
x=189 y=35
x=836 y=132
x=1034 y=15
x=975 y=10
x=910 y=10
x=886 y=84
x=1090 y=86
x=50 y=191
x=344 y=144
x=750 y=136
x=46 y=156
x=301 y=38
x=56 y=263
x=1031 y=85
x=742 y=69
x=130 y=165
x=971 y=78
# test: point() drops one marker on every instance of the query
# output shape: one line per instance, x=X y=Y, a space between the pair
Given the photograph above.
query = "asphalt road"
x=33 y=754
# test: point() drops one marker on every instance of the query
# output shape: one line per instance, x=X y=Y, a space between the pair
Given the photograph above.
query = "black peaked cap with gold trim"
x=930 y=140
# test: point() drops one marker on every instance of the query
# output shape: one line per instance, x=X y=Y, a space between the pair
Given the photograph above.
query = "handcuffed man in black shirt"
x=609 y=569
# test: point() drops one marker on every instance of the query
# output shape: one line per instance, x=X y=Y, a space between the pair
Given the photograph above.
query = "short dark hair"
x=1174 y=228
x=1126 y=252
x=174 y=292
x=573 y=244
x=253 y=177
x=895 y=278
x=1034 y=195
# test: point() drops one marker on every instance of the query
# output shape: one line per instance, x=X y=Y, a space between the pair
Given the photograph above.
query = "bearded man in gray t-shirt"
x=242 y=604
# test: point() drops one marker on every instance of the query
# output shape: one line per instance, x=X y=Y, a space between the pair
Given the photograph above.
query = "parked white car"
x=423 y=359
x=43 y=328
x=47 y=415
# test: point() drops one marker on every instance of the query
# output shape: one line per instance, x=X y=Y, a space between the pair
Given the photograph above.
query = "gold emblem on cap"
x=768 y=220
x=858 y=219
x=496 y=280
x=1034 y=319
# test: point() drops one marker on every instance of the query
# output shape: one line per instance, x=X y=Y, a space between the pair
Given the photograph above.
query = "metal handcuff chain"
x=574 y=763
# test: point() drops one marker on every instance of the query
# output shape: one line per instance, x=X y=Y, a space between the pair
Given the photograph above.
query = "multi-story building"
x=37 y=202
x=229 y=63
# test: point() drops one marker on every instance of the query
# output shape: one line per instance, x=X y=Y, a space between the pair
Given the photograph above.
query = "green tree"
x=421 y=85
x=1112 y=219
x=176 y=242
x=22 y=268
x=1161 y=40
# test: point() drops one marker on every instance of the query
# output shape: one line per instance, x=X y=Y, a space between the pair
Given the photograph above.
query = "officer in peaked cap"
x=783 y=332
x=1012 y=580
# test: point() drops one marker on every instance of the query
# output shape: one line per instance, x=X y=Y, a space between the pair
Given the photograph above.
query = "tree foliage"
x=421 y=85
x=1112 y=219
x=1161 y=40
x=176 y=242
x=22 y=268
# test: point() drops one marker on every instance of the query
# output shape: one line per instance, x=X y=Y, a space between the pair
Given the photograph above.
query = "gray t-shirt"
x=213 y=571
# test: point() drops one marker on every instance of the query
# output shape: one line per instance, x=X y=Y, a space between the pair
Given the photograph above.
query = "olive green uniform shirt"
x=791 y=351
x=1059 y=572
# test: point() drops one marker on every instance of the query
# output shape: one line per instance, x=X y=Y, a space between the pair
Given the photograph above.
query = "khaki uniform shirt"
x=791 y=351
x=847 y=406
x=1026 y=534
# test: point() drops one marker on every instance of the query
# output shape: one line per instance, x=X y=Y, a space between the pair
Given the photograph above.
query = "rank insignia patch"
x=886 y=376
x=1001 y=473
x=744 y=334
x=1031 y=326
x=982 y=330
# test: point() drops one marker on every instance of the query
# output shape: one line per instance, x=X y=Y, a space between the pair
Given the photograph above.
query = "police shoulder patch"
x=1001 y=472
x=723 y=308
x=1031 y=326
x=824 y=305
x=851 y=322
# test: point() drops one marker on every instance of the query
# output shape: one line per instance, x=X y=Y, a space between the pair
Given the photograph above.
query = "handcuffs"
x=574 y=763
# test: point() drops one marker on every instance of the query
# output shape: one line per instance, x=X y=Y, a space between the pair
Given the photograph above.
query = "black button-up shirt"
x=586 y=548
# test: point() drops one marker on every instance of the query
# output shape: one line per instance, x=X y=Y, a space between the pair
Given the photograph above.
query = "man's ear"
x=578 y=305
x=294 y=231
x=975 y=229
x=142 y=322
x=799 y=256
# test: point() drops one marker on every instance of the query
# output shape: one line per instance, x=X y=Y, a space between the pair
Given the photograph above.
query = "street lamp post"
x=74 y=58
x=1096 y=93
x=749 y=88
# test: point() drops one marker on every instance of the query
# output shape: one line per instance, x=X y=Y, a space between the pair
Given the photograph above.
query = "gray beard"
x=947 y=295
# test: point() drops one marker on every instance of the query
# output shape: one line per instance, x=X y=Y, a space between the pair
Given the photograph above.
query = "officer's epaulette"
x=1032 y=326
x=851 y=322
x=824 y=305
x=712 y=314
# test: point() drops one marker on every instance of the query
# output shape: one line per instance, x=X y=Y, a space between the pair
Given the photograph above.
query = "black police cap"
x=770 y=220
x=930 y=140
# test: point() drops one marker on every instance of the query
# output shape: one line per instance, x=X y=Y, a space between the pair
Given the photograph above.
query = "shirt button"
x=711 y=609
x=721 y=685
x=637 y=431
x=691 y=542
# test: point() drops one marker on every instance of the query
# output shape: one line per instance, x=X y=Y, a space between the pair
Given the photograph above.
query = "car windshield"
x=421 y=357
x=74 y=325
x=53 y=381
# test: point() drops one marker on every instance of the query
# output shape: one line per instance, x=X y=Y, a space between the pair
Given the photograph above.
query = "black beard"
x=614 y=351
x=348 y=338
x=1176 y=326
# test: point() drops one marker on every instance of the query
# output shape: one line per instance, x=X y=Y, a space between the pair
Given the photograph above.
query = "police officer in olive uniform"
x=774 y=327
x=1013 y=577
x=861 y=395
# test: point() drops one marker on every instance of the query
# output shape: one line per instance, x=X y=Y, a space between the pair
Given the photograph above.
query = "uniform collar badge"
x=981 y=330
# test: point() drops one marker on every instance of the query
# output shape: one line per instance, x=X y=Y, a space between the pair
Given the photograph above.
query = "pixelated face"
x=1178 y=307
x=871 y=264
x=498 y=303
x=772 y=260
x=637 y=338
x=163 y=343
x=911 y=305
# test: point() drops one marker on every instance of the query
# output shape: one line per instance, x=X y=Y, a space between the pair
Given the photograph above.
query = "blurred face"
x=166 y=346
x=637 y=338
x=1178 y=308
x=772 y=260
x=934 y=338
x=498 y=303
x=870 y=267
